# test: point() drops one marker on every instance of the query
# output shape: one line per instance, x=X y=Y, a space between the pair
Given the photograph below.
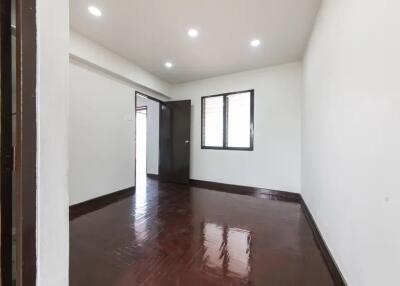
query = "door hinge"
x=8 y=160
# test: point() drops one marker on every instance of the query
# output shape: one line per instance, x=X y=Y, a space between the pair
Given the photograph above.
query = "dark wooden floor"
x=179 y=235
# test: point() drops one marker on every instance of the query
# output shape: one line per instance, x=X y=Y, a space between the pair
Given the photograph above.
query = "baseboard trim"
x=326 y=254
x=89 y=206
x=250 y=191
x=242 y=190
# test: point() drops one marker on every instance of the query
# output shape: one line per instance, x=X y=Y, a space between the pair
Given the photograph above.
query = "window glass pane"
x=238 y=108
x=213 y=121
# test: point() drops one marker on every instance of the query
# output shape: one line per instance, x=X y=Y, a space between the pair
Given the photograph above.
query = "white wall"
x=52 y=180
x=102 y=112
x=153 y=129
x=351 y=139
x=101 y=133
x=91 y=53
x=275 y=161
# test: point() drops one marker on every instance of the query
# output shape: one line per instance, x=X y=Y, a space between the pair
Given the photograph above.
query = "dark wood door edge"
x=326 y=254
x=6 y=155
x=26 y=142
x=92 y=205
x=250 y=191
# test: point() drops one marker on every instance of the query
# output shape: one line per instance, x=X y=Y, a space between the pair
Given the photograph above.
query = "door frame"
x=24 y=160
x=172 y=106
x=160 y=102
x=6 y=154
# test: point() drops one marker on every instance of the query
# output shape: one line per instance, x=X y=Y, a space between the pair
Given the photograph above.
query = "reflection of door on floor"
x=141 y=140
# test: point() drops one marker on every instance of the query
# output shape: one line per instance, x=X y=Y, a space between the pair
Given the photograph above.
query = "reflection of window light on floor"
x=212 y=244
x=239 y=251
x=227 y=250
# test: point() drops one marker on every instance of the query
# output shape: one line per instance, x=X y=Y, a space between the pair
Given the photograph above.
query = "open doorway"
x=147 y=139
x=141 y=148
x=167 y=135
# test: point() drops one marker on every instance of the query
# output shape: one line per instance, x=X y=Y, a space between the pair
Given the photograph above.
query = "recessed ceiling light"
x=94 y=11
x=168 y=65
x=193 y=33
x=255 y=43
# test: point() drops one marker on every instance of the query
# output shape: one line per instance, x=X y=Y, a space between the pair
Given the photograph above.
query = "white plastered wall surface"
x=101 y=133
x=52 y=142
x=350 y=145
x=102 y=118
x=275 y=161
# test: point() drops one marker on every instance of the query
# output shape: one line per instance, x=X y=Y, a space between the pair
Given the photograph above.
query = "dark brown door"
x=175 y=141
x=6 y=156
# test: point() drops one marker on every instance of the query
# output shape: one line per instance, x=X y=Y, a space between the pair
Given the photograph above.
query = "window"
x=227 y=121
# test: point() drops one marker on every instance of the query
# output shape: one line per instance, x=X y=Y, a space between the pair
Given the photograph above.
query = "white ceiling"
x=151 y=32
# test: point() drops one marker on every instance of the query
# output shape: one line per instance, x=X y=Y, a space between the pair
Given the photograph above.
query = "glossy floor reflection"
x=171 y=234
